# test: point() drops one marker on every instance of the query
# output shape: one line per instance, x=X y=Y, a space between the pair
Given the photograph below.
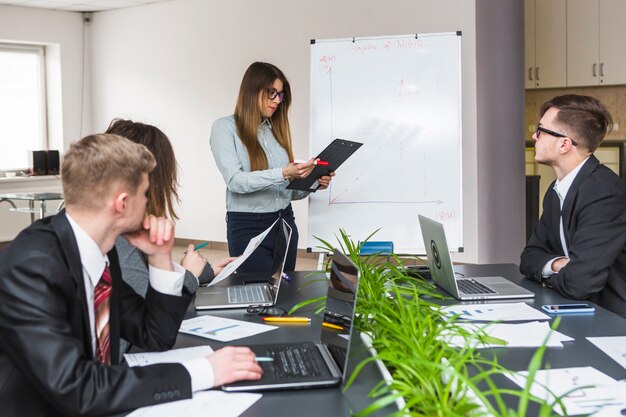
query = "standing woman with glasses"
x=253 y=150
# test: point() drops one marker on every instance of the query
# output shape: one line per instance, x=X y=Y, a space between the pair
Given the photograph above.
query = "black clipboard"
x=335 y=154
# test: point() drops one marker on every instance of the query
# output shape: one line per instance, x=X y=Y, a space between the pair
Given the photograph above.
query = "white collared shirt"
x=562 y=188
x=167 y=282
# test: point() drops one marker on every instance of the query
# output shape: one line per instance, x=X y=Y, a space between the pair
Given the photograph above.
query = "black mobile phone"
x=568 y=308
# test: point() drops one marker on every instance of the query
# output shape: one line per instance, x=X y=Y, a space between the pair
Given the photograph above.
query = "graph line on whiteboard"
x=337 y=200
x=330 y=95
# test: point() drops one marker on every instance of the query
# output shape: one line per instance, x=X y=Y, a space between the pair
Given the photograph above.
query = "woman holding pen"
x=253 y=151
x=162 y=195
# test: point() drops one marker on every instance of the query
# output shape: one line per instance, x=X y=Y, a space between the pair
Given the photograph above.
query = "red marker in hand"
x=316 y=162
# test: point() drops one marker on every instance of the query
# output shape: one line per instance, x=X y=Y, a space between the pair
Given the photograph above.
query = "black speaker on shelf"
x=40 y=163
x=53 y=163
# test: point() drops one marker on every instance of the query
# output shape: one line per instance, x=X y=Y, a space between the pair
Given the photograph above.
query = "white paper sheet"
x=222 y=329
x=606 y=391
x=614 y=346
x=496 y=312
x=530 y=334
x=252 y=245
x=170 y=356
x=204 y=403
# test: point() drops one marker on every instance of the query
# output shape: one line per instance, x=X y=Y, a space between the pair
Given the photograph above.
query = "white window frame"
x=40 y=51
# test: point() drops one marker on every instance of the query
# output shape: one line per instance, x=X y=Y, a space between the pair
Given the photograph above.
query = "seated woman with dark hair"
x=162 y=195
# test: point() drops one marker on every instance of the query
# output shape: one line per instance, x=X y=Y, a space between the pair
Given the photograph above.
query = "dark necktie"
x=102 y=301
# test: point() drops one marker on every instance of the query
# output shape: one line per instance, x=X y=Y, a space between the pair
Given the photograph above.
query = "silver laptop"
x=465 y=288
x=261 y=288
x=309 y=364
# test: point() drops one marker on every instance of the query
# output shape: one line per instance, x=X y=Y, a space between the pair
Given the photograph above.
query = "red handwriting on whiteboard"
x=445 y=215
x=410 y=43
x=326 y=62
x=364 y=47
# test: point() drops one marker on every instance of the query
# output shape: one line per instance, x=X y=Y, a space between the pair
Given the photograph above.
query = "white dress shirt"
x=166 y=282
x=562 y=188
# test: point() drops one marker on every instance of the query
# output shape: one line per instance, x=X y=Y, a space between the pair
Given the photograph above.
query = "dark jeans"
x=241 y=227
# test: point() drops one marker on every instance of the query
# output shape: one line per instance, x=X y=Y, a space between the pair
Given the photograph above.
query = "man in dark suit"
x=59 y=331
x=578 y=247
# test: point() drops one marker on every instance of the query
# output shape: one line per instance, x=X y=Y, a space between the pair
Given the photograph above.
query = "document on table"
x=222 y=329
x=532 y=334
x=601 y=390
x=614 y=346
x=170 y=356
x=203 y=403
x=495 y=312
x=252 y=245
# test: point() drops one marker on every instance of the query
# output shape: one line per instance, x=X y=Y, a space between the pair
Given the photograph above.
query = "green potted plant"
x=407 y=332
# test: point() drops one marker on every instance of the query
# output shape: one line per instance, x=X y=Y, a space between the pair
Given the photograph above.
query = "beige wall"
x=613 y=97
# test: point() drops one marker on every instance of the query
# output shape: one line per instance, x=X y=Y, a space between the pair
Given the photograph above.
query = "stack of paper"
x=222 y=329
x=205 y=403
x=495 y=312
x=532 y=334
x=594 y=390
x=170 y=356
x=614 y=346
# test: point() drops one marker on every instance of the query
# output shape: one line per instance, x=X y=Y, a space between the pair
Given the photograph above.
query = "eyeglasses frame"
x=272 y=93
x=541 y=129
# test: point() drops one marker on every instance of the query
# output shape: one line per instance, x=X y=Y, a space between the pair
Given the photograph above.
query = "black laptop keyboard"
x=242 y=294
x=471 y=286
x=294 y=361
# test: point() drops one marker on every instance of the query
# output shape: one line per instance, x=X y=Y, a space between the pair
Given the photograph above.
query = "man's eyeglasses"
x=541 y=129
x=272 y=93
x=266 y=311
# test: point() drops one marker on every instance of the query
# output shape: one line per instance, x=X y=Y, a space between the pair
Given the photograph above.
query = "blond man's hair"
x=98 y=165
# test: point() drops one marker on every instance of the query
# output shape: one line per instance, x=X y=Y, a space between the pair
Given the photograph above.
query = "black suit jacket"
x=594 y=223
x=47 y=367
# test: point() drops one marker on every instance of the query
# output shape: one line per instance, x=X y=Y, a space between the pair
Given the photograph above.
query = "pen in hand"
x=316 y=162
x=200 y=246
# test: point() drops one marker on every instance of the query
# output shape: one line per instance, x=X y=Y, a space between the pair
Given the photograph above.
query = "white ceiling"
x=79 y=5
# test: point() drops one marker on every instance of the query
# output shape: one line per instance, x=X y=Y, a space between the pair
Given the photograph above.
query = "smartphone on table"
x=568 y=308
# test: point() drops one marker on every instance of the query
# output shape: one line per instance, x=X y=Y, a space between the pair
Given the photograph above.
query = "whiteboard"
x=401 y=97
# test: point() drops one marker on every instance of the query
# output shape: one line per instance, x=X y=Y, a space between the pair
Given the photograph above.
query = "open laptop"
x=466 y=288
x=263 y=287
x=309 y=364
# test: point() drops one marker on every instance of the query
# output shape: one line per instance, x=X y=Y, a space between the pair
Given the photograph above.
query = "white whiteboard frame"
x=455 y=229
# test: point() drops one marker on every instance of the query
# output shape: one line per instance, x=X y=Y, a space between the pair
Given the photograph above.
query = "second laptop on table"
x=466 y=288
x=263 y=287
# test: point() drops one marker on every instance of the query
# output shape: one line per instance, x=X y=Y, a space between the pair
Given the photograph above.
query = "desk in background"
x=42 y=198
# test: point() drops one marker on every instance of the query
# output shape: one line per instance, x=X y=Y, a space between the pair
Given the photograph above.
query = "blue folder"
x=376 y=248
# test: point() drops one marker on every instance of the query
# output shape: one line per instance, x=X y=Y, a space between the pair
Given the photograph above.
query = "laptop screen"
x=340 y=305
x=280 y=254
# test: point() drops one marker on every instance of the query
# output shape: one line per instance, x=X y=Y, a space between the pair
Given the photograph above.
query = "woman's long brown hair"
x=259 y=78
x=162 y=192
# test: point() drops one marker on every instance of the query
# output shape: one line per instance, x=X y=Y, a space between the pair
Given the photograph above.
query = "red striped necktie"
x=102 y=301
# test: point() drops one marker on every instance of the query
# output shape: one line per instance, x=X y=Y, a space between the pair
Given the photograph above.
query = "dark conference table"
x=334 y=402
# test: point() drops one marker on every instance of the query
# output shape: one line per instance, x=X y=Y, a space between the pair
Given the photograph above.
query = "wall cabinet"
x=545 y=43
x=596 y=31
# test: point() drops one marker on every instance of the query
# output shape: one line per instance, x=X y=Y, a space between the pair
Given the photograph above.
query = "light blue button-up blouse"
x=251 y=191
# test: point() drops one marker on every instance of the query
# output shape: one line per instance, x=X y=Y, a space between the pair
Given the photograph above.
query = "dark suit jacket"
x=46 y=363
x=594 y=223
